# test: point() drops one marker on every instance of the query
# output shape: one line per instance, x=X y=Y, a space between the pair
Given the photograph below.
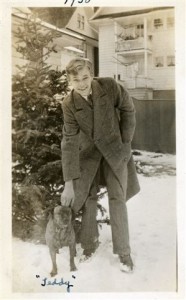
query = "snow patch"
x=152 y=224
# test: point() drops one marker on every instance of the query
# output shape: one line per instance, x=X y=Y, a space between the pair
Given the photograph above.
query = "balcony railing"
x=130 y=45
x=138 y=82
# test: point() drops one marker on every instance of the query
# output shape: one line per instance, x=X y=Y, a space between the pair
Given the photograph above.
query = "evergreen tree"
x=37 y=92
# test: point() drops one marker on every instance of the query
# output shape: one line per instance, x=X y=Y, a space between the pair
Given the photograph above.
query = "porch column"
x=145 y=45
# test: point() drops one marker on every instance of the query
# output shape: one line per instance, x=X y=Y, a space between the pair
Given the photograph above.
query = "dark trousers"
x=117 y=210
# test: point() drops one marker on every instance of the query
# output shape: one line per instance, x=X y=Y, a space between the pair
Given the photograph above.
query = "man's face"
x=81 y=82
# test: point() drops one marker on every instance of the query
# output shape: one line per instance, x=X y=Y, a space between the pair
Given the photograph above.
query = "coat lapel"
x=100 y=101
x=87 y=118
x=83 y=112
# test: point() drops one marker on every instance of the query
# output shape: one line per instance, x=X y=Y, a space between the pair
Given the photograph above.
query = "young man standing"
x=99 y=123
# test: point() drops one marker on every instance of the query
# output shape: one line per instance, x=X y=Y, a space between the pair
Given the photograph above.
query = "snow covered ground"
x=152 y=221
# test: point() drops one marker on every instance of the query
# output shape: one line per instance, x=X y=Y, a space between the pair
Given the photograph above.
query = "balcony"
x=144 y=82
x=132 y=45
x=138 y=82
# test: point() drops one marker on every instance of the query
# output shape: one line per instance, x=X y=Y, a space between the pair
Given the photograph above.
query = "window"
x=159 y=61
x=80 y=21
x=158 y=23
x=171 y=61
x=140 y=26
x=140 y=30
x=170 y=22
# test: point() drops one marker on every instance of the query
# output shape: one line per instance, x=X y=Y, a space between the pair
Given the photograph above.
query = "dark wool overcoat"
x=106 y=130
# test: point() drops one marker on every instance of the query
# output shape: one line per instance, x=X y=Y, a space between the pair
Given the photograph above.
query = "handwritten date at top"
x=77 y=1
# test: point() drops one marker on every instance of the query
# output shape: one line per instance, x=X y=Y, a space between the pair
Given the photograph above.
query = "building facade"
x=76 y=37
x=136 y=46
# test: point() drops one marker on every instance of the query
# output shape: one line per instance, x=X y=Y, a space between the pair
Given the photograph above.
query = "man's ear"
x=91 y=72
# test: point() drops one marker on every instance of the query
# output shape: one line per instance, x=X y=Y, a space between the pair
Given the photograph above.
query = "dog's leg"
x=54 y=265
x=72 y=249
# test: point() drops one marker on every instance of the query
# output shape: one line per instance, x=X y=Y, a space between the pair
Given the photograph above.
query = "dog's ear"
x=49 y=212
x=58 y=209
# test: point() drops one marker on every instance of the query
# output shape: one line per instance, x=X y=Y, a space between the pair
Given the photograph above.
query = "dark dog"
x=60 y=233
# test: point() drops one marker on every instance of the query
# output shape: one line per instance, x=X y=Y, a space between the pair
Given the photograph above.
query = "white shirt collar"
x=86 y=97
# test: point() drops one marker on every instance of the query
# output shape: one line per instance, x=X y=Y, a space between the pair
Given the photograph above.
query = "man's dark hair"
x=77 y=64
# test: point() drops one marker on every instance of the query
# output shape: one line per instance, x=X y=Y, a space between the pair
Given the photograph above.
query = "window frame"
x=159 y=64
x=80 y=21
x=158 y=25
x=140 y=30
x=169 y=64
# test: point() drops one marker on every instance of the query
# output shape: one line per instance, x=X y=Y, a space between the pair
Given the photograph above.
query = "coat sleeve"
x=125 y=106
x=70 y=145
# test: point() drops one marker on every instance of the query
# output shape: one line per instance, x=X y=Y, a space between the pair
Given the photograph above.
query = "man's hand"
x=67 y=196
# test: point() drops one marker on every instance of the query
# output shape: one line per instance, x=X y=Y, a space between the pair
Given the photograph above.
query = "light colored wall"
x=73 y=24
x=54 y=60
x=163 y=44
x=107 y=50
x=164 y=79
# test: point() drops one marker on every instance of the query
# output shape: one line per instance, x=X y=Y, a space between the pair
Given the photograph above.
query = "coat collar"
x=97 y=95
x=92 y=122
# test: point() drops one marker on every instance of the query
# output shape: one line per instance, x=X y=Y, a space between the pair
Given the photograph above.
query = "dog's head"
x=62 y=216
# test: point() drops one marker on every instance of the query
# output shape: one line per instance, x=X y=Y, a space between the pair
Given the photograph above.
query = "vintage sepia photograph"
x=94 y=202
